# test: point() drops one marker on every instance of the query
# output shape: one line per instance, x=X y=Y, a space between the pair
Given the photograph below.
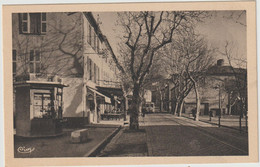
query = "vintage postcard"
x=130 y=83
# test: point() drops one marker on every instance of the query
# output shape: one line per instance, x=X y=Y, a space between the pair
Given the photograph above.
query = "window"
x=98 y=47
x=24 y=25
x=95 y=73
x=35 y=63
x=98 y=76
x=92 y=39
x=90 y=68
x=43 y=105
x=14 y=62
x=95 y=41
x=89 y=34
x=33 y=23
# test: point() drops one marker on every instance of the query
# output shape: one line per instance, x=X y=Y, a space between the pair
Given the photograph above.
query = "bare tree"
x=190 y=58
x=238 y=17
x=145 y=33
x=175 y=67
x=236 y=86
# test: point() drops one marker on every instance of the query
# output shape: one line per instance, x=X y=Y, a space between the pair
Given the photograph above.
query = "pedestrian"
x=98 y=114
x=143 y=112
x=210 y=115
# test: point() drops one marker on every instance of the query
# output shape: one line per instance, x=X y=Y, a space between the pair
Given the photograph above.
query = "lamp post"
x=240 y=115
x=219 y=115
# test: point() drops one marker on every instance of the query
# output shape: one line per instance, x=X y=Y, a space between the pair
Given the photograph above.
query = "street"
x=168 y=135
x=163 y=134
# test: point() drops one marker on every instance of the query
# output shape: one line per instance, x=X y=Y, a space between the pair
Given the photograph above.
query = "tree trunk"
x=126 y=107
x=134 y=108
x=176 y=108
x=197 y=96
x=126 y=102
x=197 y=101
x=161 y=107
x=140 y=107
x=229 y=103
x=181 y=107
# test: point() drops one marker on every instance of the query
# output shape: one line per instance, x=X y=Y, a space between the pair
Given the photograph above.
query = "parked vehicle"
x=149 y=106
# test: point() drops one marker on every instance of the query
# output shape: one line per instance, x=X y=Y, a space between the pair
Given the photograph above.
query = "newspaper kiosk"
x=38 y=108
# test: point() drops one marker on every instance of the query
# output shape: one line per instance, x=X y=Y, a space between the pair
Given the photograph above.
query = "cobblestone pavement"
x=168 y=135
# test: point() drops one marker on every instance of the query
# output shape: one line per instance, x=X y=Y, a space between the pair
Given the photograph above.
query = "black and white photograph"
x=132 y=83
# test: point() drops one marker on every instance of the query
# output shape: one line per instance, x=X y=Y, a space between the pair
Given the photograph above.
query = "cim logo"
x=24 y=150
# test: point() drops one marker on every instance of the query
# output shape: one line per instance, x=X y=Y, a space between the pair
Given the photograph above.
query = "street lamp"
x=219 y=115
x=240 y=115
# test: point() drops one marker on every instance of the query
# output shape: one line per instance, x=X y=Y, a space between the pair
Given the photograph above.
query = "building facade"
x=69 y=48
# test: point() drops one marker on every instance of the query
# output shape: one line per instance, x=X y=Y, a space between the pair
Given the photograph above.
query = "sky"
x=222 y=26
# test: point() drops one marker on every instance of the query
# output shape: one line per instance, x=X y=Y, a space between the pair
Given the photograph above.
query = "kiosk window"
x=42 y=105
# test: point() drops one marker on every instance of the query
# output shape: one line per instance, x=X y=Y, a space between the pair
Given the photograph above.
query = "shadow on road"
x=181 y=140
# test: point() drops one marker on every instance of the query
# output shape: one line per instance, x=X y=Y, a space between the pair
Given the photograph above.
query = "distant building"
x=148 y=95
x=221 y=86
x=68 y=48
x=160 y=96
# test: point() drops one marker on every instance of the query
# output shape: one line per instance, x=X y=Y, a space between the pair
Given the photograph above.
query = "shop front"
x=116 y=110
x=39 y=107
x=97 y=103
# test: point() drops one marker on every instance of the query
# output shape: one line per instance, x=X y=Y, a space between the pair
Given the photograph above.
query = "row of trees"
x=188 y=57
x=165 y=43
x=146 y=34
x=153 y=44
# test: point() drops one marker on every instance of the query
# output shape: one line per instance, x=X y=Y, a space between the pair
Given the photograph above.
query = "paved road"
x=168 y=135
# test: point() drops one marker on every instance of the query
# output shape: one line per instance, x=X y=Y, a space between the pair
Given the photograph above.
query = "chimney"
x=220 y=62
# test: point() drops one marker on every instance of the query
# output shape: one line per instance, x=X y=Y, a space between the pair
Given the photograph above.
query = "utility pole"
x=241 y=115
x=219 y=116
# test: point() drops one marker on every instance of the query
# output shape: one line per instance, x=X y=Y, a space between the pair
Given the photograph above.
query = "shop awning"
x=107 y=99
x=111 y=91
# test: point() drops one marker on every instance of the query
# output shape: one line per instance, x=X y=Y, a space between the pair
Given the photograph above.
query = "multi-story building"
x=68 y=48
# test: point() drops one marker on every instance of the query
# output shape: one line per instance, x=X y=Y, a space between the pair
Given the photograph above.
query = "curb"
x=102 y=126
x=93 y=152
x=230 y=127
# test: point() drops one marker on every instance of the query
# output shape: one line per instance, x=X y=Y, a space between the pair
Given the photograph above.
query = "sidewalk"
x=60 y=146
x=229 y=121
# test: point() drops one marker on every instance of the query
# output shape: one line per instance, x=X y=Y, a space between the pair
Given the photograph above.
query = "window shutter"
x=44 y=23
x=89 y=34
x=95 y=73
x=24 y=23
x=95 y=41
